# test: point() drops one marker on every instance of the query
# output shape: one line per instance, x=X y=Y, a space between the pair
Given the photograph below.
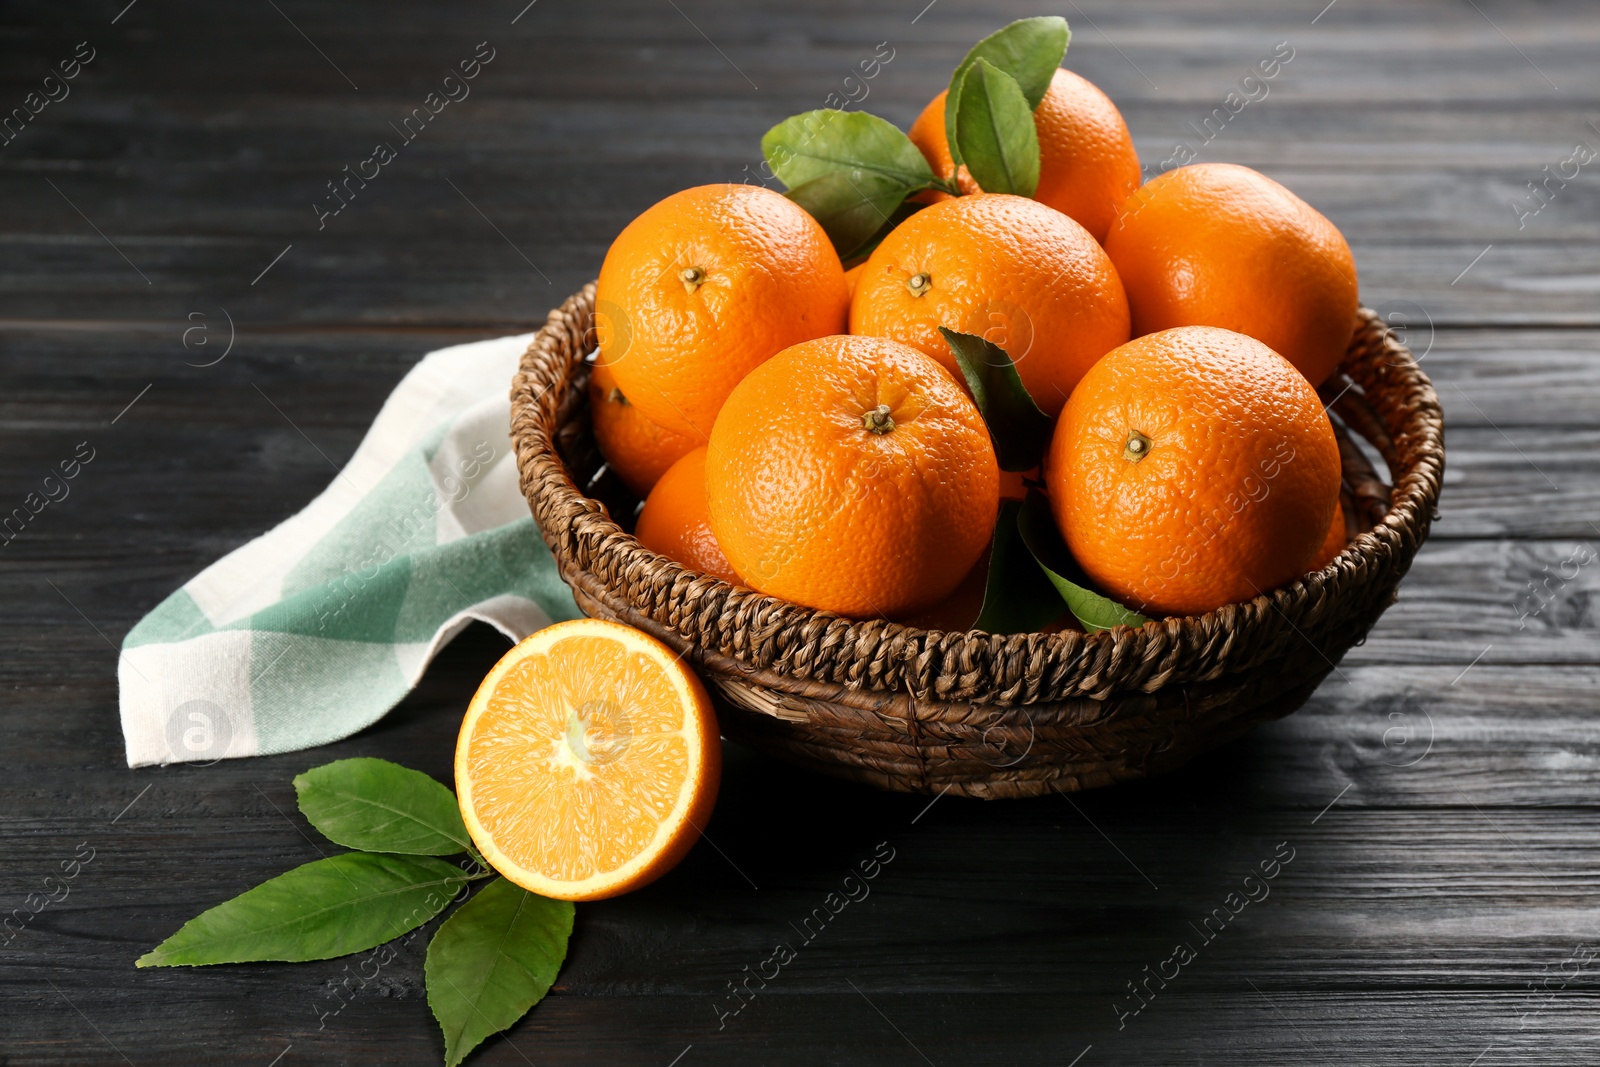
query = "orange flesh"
x=583 y=767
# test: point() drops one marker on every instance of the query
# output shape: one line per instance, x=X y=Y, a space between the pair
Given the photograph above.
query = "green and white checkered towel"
x=317 y=628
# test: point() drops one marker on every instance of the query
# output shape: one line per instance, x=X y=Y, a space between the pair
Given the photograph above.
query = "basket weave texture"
x=973 y=713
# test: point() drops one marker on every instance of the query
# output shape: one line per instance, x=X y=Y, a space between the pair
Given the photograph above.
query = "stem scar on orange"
x=1019 y=274
x=1193 y=468
x=1217 y=244
x=1087 y=162
x=853 y=475
x=588 y=761
x=703 y=287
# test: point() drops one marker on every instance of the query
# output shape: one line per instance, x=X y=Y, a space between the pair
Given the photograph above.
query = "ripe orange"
x=702 y=288
x=1087 y=163
x=852 y=474
x=1193 y=468
x=1334 y=543
x=676 y=522
x=1216 y=244
x=1006 y=268
x=588 y=761
x=636 y=448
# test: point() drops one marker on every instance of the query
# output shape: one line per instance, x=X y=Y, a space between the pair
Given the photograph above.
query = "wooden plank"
x=199 y=208
x=1411 y=1029
x=1415 y=881
x=1441 y=43
x=1507 y=378
x=1532 y=601
x=213 y=216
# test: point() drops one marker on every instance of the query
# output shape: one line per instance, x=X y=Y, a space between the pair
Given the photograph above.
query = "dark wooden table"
x=1438 y=795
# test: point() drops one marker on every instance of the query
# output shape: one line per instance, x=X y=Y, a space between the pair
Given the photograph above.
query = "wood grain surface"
x=1437 y=795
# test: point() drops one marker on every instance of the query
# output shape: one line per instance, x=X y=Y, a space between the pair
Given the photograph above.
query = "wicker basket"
x=974 y=713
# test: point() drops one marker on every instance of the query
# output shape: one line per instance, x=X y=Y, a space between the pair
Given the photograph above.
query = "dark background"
x=1438 y=792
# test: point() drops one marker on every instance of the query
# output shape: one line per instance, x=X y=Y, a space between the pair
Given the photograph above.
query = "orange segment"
x=588 y=761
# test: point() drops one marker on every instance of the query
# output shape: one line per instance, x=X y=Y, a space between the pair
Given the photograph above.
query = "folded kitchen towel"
x=317 y=628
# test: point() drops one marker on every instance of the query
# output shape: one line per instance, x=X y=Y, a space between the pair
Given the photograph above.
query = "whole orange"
x=1087 y=163
x=676 y=522
x=852 y=474
x=703 y=287
x=1217 y=244
x=1193 y=468
x=636 y=448
x=1006 y=268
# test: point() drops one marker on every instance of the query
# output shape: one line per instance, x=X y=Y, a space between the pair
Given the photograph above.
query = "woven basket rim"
x=1075 y=664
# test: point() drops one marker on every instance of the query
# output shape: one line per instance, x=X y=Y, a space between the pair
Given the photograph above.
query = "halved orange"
x=588 y=761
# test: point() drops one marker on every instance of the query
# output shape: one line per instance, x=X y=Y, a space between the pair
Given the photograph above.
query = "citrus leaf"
x=994 y=129
x=1021 y=432
x=329 y=907
x=492 y=960
x=1029 y=50
x=378 y=806
x=806 y=146
x=1038 y=529
x=1019 y=597
x=852 y=207
x=865 y=249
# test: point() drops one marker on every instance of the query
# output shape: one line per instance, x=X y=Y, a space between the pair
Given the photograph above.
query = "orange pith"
x=587 y=761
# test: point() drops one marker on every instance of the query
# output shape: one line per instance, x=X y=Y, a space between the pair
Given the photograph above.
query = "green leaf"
x=851 y=208
x=1019 y=597
x=492 y=960
x=1029 y=50
x=1038 y=529
x=1021 y=432
x=865 y=249
x=804 y=147
x=849 y=169
x=326 y=908
x=378 y=806
x=995 y=132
